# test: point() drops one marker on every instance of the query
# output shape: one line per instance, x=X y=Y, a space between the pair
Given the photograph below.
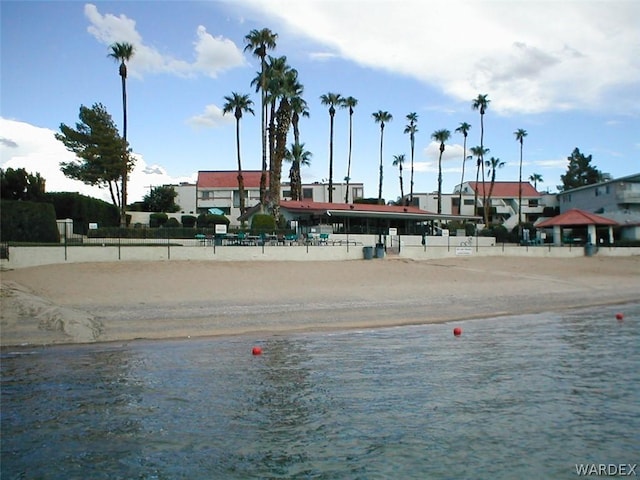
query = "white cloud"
x=528 y=56
x=213 y=55
x=37 y=151
x=211 y=117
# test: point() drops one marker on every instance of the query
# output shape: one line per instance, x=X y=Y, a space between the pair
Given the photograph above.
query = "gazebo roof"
x=576 y=218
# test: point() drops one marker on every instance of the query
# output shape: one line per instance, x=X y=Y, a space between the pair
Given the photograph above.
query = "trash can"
x=217 y=241
x=379 y=250
x=589 y=249
x=368 y=253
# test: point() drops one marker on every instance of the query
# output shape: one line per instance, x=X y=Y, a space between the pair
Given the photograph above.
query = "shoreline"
x=126 y=301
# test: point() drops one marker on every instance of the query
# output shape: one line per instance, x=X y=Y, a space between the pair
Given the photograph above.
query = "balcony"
x=628 y=196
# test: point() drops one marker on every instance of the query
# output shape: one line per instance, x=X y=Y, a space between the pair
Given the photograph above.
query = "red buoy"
x=619 y=316
x=457 y=331
x=256 y=351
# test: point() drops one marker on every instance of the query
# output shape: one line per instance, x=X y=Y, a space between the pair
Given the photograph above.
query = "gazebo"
x=578 y=218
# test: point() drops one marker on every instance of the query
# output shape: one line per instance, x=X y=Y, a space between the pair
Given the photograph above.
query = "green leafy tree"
x=122 y=52
x=259 y=42
x=161 y=199
x=381 y=117
x=481 y=103
x=19 y=185
x=520 y=134
x=238 y=104
x=463 y=128
x=440 y=136
x=398 y=160
x=412 y=129
x=98 y=148
x=333 y=100
x=350 y=103
x=580 y=172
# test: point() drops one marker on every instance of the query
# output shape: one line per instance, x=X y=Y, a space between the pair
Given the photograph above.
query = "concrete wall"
x=22 y=257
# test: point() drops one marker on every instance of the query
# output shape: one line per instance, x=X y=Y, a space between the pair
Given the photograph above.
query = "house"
x=616 y=199
x=319 y=191
x=504 y=201
x=219 y=189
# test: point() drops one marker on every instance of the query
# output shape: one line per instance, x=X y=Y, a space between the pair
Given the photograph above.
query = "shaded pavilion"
x=576 y=218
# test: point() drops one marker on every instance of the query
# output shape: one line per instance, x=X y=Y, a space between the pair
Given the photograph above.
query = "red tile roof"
x=574 y=218
x=229 y=179
x=302 y=205
x=506 y=189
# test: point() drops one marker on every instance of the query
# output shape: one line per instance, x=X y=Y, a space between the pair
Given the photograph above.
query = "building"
x=216 y=189
x=616 y=199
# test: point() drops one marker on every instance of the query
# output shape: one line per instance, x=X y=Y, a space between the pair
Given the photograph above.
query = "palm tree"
x=239 y=104
x=349 y=103
x=535 y=178
x=298 y=108
x=493 y=164
x=520 y=134
x=463 y=128
x=122 y=52
x=381 y=117
x=333 y=100
x=481 y=103
x=398 y=160
x=412 y=129
x=259 y=41
x=298 y=156
x=288 y=88
x=440 y=136
x=479 y=153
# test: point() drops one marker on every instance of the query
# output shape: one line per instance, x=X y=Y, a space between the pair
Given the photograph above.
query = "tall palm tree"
x=520 y=134
x=333 y=100
x=349 y=103
x=412 y=129
x=481 y=103
x=463 y=128
x=440 y=136
x=298 y=156
x=479 y=153
x=239 y=104
x=535 y=178
x=398 y=160
x=493 y=164
x=298 y=108
x=259 y=42
x=122 y=52
x=287 y=89
x=382 y=118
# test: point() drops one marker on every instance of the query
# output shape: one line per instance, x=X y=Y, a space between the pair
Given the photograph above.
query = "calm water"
x=514 y=397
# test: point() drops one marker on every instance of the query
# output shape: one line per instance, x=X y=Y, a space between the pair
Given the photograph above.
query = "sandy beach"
x=102 y=302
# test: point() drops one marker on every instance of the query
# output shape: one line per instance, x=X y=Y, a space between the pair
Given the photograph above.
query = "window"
x=468 y=201
x=205 y=195
x=236 y=198
x=307 y=193
x=357 y=192
x=533 y=202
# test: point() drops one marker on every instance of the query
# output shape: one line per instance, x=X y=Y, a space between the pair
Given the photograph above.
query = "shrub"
x=84 y=210
x=28 y=222
x=206 y=220
x=188 y=221
x=158 y=219
x=172 y=223
x=263 y=223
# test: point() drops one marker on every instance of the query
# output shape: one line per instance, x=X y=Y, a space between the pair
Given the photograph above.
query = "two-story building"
x=503 y=202
x=617 y=199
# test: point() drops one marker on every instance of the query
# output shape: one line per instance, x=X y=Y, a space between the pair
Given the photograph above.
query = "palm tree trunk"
x=346 y=196
x=331 y=160
x=440 y=183
x=401 y=186
x=412 y=152
x=280 y=148
x=263 y=126
x=240 y=177
x=125 y=157
x=520 y=195
x=484 y=192
x=380 y=183
x=475 y=192
x=464 y=160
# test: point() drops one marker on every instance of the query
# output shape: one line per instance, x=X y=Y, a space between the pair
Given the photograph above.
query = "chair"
x=324 y=238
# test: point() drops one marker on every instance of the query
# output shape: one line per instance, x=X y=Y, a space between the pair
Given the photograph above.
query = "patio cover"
x=577 y=218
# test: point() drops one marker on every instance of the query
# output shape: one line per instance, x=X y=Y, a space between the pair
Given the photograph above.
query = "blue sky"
x=566 y=72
